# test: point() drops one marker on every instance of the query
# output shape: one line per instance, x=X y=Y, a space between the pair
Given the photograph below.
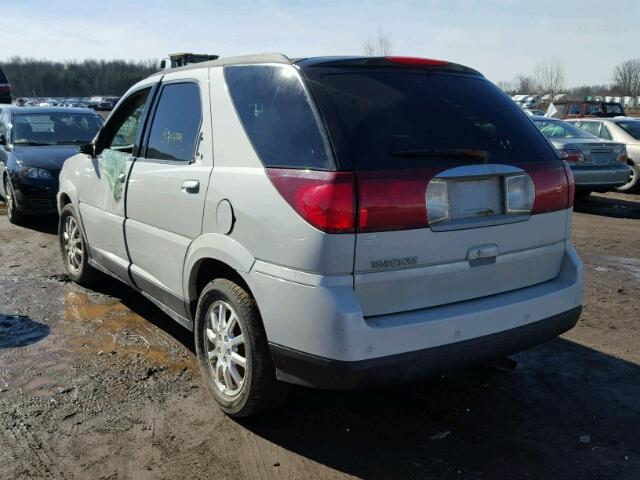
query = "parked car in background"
x=34 y=143
x=534 y=112
x=579 y=109
x=107 y=104
x=624 y=130
x=597 y=165
x=5 y=89
x=458 y=249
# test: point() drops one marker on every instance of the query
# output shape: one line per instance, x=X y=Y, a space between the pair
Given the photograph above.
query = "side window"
x=574 y=109
x=277 y=116
x=176 y=123
x=591 y=127
x=605 y=133
x=120 y=131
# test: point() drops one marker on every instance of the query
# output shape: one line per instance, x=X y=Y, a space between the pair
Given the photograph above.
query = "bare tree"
x=505 y=86
x=378 y=46
x=524 y=85
x=626 y=77
x=550 y=77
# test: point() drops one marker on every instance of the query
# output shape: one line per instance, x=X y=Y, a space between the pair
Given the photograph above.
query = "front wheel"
x=232 y=350
x=634 y=182
x=74 y=248
x=14 y=215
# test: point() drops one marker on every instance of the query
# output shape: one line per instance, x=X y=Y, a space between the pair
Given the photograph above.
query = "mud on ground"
x=101 y=384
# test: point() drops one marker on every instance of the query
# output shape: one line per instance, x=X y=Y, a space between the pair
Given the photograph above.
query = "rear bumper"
x=314 y=323
x=601 y=178
x=318 y=372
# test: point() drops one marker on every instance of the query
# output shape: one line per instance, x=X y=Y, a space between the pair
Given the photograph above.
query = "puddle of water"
x=20 y=331
x=111 y=327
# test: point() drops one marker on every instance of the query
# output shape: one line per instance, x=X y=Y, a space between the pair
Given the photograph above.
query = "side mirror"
x=88 y=149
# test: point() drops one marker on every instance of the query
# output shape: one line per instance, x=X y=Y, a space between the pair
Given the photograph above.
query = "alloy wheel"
x=225 y=348
x=72 y=244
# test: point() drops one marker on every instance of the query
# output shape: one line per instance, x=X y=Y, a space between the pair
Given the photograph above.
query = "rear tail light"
x=324 y=199
x=571 y=156
x=377 y=201
x=5 y=88
x=622 y=156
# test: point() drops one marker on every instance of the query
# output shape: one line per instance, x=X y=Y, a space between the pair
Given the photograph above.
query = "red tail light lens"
x=427 y=62
x=324 y=199
x=571 y=156
x=5 y=88
x=393 y=200
x=552 y=186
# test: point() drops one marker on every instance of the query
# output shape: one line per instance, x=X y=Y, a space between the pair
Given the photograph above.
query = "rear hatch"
x=458 y=195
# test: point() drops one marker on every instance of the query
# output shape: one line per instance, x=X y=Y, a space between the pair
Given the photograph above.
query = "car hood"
x=50 y=157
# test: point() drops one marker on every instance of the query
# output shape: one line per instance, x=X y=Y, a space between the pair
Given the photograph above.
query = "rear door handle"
x=191 y=186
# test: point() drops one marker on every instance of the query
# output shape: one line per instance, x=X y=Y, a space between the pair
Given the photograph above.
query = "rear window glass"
x=613 y=109
x=556 y=129
x=278 y=117
x=408 y=119
x=632 y=128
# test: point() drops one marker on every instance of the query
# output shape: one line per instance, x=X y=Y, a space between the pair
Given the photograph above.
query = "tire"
x=582 y=195
x=70 y=235
x=14 y=214
x=634 y=183
x=252 y=388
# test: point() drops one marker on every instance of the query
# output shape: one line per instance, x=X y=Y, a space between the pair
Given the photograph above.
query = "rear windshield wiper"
x=441 y=152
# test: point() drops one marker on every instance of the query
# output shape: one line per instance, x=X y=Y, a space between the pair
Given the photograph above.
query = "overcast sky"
x=501 y=38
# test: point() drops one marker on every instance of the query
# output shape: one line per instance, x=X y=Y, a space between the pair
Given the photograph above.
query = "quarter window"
x=176 y=123
x=605 y=133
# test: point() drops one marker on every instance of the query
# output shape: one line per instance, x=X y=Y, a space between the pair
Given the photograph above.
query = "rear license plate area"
x=480 y=197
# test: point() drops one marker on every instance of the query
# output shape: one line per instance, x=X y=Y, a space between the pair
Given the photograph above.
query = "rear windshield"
x=381 y=119
x=631 y=127
x=558 y=129
x=613 y=108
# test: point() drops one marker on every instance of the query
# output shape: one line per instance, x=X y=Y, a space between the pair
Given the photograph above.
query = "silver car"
x=620 y=129
x=334 y=222
x=597 y=165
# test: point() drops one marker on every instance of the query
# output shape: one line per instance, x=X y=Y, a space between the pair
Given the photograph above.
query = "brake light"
x=393 y=200
x=427 y=62
x=622 y=156
x=5 y=88
x=553 y=186
x=324 y=199
x=571 y=156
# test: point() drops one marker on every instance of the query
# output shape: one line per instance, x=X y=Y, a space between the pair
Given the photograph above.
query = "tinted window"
x=591 y=127
x=409 y=119
x=613 y=108
x=557 y=129
x=122 y=128
x=631 y=127
x=277 y=116
x=54 y=128
x=176 y=123
x=3 y=78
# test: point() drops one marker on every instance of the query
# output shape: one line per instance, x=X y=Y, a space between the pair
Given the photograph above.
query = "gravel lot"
x=100 y=384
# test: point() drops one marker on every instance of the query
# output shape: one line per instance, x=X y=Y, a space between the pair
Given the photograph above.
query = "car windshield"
x=553 y=129
x=406 y=119
x=54 y=128
x=631 y=127
x=613 y=108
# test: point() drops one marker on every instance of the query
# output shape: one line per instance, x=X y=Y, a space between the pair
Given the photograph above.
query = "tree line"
x=31 y=77
x=549 y=77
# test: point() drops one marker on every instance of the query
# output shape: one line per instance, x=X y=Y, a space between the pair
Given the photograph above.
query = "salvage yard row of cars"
x=326 y=237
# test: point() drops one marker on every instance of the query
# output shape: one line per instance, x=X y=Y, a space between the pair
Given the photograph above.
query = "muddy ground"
x=100 y=384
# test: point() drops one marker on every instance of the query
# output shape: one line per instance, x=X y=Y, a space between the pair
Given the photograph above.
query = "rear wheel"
x=634 y=181
x=74 y=248
x=14 y=214
x=232 y=350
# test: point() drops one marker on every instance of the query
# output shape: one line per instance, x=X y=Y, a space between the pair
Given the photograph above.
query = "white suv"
x=330 y=222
